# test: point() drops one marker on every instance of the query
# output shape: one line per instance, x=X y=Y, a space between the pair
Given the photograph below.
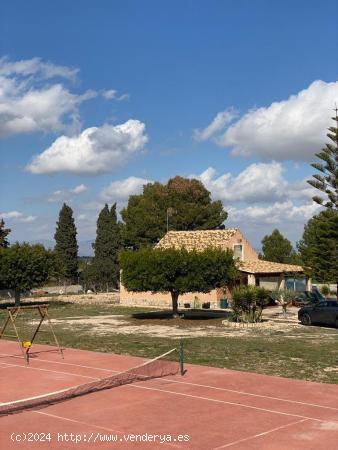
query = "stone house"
x=253 y=271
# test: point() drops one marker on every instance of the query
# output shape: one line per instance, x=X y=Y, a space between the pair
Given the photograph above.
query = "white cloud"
x=257 y=183
x=32 y=100
x=112 y=94
x=29 y=102
x=96 y=150
x=109 y=94
x=222 y=119
x=65 y=195
x=79 y=189
x=120 y=190
x=291 y=129
x=277 y=213
x=17 y=216
x=35 y=66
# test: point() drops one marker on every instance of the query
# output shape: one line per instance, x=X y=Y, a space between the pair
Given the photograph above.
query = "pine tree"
x=319 y=247
x=277 y=248
x=4 y=232
x=327 y=180
x=107 y=243
x=66 y=247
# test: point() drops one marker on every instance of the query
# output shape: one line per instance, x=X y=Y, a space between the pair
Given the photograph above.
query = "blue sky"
x=236 y=93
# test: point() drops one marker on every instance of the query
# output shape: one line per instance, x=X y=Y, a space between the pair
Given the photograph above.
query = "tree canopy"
x=66 y=247
x=319 y=246
x=177 y=271
x=103 y=271
x=277 y=248
x=180 y=204
x=4 y=232
x=327 y=180
x=24 y=266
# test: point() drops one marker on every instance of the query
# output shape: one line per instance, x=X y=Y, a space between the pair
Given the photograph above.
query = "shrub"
x=248 y=303
x=325 y=290
x=283 y=297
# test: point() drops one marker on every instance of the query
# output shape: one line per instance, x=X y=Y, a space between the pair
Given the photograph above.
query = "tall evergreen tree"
x=319 y=247
x=181 y=204
x=4 y=232
x=105 y=264
x=327 y=180
x=277 y=248
x=66 y=247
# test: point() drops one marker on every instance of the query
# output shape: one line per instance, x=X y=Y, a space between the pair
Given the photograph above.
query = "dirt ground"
x=273 y=323
x=110 y=297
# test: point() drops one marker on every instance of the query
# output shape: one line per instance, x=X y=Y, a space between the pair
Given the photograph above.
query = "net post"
x=181 y=357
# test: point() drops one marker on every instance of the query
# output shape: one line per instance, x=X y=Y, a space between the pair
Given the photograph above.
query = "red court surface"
x=213 y=408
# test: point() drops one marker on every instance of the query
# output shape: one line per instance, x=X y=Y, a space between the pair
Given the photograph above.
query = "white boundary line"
x=49 y=370
x=98 y=427
x=264 y=433
x=59 y=362
x=175 y=381
x=241 y=405
x=78 y=421
x=253 y=395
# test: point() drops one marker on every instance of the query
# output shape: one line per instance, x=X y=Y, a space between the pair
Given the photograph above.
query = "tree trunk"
x=174 y=299
x=17 y=297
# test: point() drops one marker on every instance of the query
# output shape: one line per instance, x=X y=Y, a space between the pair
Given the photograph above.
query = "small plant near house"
x=197 y=303
x=248 y=303
x=283 y=298
x=325 y=290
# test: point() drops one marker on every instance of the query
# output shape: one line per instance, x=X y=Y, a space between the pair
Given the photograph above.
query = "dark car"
x=304 y=298
x=322 y=312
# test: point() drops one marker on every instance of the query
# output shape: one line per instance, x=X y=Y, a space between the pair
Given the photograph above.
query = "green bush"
x=325 y=289
x=248 y=303
x=284 y=298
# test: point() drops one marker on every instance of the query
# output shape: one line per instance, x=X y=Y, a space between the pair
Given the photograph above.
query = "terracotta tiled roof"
x=260 y=266
x=197 y=240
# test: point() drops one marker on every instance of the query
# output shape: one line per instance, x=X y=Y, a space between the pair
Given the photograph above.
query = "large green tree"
x=180 y=204
x=4 y=232
x=66 y=247
x=177 y=271
x=326 y=180
x=104 y=268
x=277 y=248
x=24 y=266
x=319 y=246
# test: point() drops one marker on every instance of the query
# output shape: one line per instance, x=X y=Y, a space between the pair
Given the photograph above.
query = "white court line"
x=78 y=421
x=241 y=405
x=188 y=383
x=264 y=433
x=124 y=433
x=49 y=370
x=60 y=362
x=253 y=395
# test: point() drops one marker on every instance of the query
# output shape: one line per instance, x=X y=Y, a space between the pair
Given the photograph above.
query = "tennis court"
x=207 y=408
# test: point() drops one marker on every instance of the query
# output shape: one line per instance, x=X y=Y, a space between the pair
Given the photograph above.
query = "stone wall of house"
x=195 y=299
x=249 y=253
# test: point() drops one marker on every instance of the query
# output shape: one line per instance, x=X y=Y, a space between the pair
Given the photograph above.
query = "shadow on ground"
x=191 y=314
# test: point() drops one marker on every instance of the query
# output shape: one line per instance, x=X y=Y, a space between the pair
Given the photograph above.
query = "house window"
x=238 y=252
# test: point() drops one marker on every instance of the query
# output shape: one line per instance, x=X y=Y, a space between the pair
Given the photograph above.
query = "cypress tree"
x=66 y=247
x=106 y=247
x=4 y=232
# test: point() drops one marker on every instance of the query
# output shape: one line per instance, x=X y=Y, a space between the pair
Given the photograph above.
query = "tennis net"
x=166 y=364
